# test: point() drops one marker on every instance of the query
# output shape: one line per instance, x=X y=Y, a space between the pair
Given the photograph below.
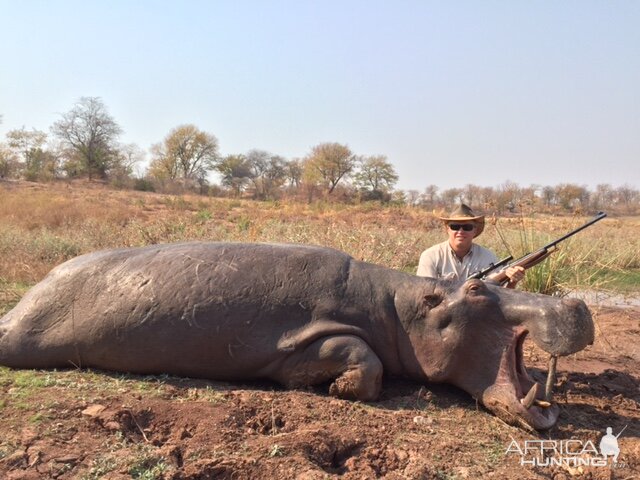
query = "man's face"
x=461 y=234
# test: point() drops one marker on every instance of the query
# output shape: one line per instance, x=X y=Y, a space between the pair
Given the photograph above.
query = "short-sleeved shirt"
x=440 y=261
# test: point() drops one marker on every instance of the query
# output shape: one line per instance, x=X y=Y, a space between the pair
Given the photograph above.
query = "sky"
x=451 y=92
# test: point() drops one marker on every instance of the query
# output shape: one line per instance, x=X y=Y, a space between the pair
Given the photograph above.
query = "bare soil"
x=86 y=425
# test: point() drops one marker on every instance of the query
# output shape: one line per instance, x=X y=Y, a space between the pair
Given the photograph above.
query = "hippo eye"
x=474 y=287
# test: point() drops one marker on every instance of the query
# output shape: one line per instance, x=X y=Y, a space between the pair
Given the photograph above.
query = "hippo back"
x=200 y=303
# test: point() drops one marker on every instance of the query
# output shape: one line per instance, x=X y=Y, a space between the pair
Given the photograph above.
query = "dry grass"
x=44 y=225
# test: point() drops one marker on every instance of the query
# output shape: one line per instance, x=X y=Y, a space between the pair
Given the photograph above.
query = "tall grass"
x=597 y=257
x=43 y=226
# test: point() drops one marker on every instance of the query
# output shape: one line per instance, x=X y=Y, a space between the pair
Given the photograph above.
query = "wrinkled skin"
x=299 y=315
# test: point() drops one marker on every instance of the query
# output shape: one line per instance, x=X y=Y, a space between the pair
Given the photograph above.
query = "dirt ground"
x=89 y=425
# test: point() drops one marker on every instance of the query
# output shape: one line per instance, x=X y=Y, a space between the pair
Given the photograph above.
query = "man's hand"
x=514 y=274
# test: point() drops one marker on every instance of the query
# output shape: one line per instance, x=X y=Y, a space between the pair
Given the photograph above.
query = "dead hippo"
x=299 y=315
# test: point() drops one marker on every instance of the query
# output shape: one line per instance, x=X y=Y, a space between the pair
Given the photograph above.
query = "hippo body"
x=300 y=315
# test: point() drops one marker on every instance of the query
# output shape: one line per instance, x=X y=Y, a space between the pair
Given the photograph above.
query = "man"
x=609 y=445
x=458 y=257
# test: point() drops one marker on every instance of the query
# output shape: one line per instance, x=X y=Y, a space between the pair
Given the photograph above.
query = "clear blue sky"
x=452 y=92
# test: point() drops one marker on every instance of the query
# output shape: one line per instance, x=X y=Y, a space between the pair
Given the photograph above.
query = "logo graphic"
x=571 y=452
x=609 y=444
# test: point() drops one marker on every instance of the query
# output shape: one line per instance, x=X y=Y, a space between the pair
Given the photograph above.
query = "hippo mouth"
x=515 y=396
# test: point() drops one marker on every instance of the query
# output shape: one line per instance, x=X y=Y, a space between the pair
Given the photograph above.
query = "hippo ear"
x=431 y=300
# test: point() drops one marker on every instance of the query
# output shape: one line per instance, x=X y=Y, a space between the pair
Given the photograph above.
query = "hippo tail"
x=3 y=334
x=5 y=323
x=10 y=340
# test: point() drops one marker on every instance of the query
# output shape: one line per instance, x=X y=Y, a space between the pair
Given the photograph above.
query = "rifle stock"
x=526 y=262
x=532 y=259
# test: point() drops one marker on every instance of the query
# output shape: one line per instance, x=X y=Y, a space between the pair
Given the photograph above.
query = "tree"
x=413 y=197
x=128 y=156
x=90 y=134
x=430 y=196
x=508 y=196
x=8 y=161
x=25 y=142
x=451 y=197
x=186 y=153
x=331 y=162
x=235 y=172
x=274 y=176
x=293 y=172
x=375 y=175
x=486 y=196
x=603 y=196
x=267 y=172
x=570 y=195
x=549 y=196
x=471 y=193
x=627 y=195
x=162 y=167
x=27 y=145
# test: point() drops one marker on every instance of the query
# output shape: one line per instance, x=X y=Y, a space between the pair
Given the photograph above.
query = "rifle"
x=492 y=266
x=532 y=259
x=625 y=427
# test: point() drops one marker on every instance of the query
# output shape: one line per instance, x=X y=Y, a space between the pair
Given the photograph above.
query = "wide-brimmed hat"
x=463 y=213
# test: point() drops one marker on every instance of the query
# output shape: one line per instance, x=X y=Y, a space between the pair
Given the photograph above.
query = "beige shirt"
x=439 y=261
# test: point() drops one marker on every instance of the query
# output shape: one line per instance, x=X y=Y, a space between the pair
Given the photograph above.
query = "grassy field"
x=86 y=424
x=42 y=225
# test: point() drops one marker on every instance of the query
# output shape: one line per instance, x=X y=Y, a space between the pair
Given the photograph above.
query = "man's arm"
x=427 y=265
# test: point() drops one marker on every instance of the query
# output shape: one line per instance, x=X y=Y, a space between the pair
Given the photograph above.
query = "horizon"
x=452 y=94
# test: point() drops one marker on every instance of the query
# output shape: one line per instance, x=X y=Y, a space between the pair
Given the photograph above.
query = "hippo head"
x=471 y=335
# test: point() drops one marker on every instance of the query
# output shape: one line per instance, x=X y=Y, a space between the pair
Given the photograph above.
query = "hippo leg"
x=348 y=359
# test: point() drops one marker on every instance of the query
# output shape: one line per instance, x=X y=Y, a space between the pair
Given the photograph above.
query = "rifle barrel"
x=620 y=433
x=597 y=218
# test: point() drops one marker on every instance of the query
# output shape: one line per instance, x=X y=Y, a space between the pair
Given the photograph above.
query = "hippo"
x=299 y=315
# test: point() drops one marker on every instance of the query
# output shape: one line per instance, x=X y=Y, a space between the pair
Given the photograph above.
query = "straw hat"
x=464 y=214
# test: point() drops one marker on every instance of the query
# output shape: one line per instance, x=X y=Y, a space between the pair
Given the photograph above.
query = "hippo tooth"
x=541 y=403
x=551 y=378
x=528 y=400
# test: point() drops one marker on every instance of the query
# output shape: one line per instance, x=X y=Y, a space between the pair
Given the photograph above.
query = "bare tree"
x=430 y=196
x=549 y=196
x=471 y=193
x=627 y=195
x=129 y=155
x=90 y=133
x=603 y=196
x=413 y=197
x=451 y=196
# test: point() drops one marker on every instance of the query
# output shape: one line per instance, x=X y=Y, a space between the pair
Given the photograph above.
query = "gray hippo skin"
x=299 y=315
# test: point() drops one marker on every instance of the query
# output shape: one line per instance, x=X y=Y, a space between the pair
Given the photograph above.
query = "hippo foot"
x=358 y=384
x=348 y=360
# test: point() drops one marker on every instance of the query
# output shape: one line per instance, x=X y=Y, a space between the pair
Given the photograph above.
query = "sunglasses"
x=467 y=227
